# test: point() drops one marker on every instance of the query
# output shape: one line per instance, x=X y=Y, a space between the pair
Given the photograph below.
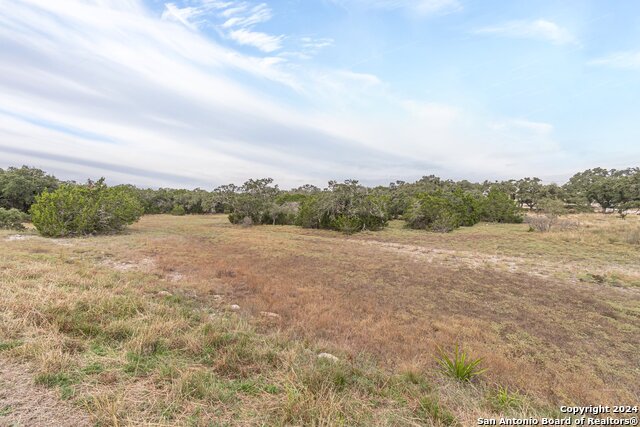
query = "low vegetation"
x=12 y=219
x=139 y=328
x=76 y=210
x=188 y=320
x=460 y=365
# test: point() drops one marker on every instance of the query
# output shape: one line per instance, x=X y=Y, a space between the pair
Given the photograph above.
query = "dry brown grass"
x=532 y=305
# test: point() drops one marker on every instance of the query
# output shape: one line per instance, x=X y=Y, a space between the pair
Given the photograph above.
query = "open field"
x=138 y=328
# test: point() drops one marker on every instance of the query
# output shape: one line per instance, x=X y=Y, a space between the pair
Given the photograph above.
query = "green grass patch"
x=8 y=345
x=432 y=412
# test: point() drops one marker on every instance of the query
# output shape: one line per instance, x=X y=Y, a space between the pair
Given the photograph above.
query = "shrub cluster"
x=74 y=210
x=444 y=211
x=11 y=219
x=347 y=207
x=499 y=207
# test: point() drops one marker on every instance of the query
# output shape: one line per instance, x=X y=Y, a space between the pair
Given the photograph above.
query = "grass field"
x=139 y=328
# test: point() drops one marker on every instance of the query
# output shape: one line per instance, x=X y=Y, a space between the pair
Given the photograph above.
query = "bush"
x=541 y=223
x=347 y=207
x=433 y=212
x=178 y=210
x=254 y=200
x=552 y=207
x=11 y=219
x=499 y=207
x=74 y=210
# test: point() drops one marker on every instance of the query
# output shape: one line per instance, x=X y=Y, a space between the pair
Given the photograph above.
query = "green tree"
x=254 y=200
x=498 y=206
x=529 y=192
x=20 y=186
x=348 y=207
x=433 y=212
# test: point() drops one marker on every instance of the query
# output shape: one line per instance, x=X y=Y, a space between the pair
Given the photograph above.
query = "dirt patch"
x=473 y=259
x=145 y=264
x=22 y=403
x=15 y=237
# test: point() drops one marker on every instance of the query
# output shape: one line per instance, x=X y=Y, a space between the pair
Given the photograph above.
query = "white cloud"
x=89 y=89
x=422 y=7
x=540 y=29
x=262 y=41
x=238 y=18
x=625 y=60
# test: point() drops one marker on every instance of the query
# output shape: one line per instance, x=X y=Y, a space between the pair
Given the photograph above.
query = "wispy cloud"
x=235 y=20
x=245 y=16
x=262 y=41
x=625 y=60
x=422 y=7
x=539 y=29
x=151 y=101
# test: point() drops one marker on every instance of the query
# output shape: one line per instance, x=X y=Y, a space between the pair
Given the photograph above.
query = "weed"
x=54 y=379
x=430 y=410
x=204 y=385
x=93 y=369
x=502 y=399
x=8 y=345
x=139 y=364
x=460 y=366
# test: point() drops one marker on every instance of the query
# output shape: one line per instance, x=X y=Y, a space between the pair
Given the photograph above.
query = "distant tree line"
x=66 y=208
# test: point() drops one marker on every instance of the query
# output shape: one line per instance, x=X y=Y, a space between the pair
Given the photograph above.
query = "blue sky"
x=205 y=92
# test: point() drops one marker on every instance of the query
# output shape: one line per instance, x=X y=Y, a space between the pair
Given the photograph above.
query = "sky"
x=200 y=93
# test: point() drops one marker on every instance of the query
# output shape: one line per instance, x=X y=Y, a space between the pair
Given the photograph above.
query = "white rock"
x=328 y=356
x=270 y=315
x=234 y=307
x=164 y=294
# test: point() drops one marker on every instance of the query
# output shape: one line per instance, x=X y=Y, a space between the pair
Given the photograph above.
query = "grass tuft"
x=460 y=366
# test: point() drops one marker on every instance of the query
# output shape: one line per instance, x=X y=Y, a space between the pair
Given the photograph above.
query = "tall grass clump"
x=460 y=366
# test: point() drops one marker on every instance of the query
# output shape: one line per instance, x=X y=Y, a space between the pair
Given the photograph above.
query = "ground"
x=194 y=321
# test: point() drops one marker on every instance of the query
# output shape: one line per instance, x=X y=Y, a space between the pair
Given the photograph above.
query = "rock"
x=328 y=356
x=270 y=315
x=164 y=294
x=234 y=307
x=18 y=237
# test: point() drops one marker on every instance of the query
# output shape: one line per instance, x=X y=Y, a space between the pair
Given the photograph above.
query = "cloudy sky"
x=205 y=92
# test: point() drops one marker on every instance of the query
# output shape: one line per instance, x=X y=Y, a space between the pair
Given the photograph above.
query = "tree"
x=20 y=186
x=254 y=200
x=348 y=207
x=529 y=192
x=498 y=206
x=432 y=212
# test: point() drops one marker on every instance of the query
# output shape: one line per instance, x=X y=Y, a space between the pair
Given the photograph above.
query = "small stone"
x=328 y=356
x=234 y=307
x=164 y=294
x=270 y=314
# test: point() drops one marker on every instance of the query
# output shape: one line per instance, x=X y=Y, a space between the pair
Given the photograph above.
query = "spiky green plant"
x=460 y=366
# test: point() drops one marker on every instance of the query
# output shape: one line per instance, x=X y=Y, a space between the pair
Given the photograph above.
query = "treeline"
x=430 y=203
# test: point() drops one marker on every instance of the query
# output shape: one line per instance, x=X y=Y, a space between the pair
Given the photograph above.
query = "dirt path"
x=24 y=404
